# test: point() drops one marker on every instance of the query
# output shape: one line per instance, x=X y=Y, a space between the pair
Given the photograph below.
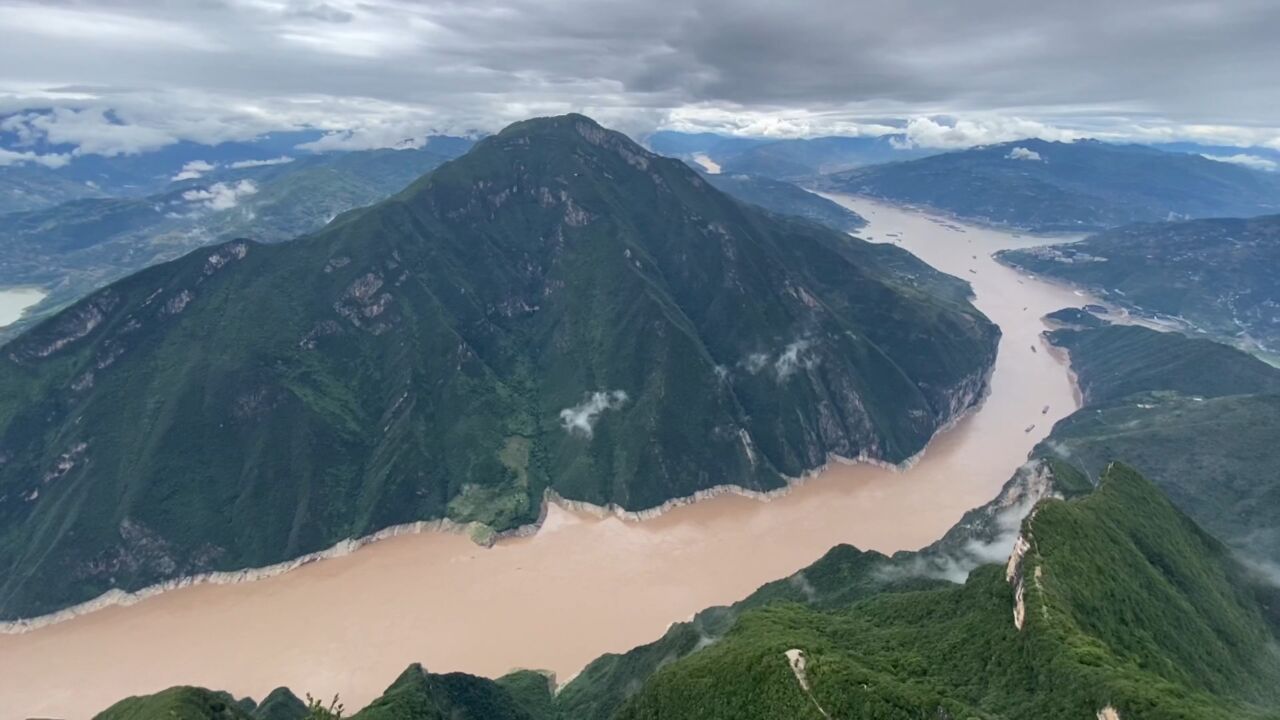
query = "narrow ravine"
x=583 y=585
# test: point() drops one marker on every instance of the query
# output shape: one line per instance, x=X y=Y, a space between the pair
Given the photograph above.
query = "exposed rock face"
x=559 y=310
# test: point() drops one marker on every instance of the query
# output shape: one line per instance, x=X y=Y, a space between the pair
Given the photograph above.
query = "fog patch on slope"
x=581 y=418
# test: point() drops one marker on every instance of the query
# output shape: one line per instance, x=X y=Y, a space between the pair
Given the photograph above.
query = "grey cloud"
x=1147 y=69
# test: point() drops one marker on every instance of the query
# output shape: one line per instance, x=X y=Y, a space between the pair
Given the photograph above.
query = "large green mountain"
x=558 y=309
x=1055 y=186
x=1112 y=605
x=1218 y=275
x=74 y=248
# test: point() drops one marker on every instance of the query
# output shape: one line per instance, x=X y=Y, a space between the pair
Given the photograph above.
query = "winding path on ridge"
x=583 y=585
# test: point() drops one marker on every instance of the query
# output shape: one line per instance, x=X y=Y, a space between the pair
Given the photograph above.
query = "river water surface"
x=583 y=585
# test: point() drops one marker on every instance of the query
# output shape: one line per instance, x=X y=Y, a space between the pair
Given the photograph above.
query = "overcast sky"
x=953 y=72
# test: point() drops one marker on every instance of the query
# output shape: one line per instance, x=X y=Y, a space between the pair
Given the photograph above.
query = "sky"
x=126 y=76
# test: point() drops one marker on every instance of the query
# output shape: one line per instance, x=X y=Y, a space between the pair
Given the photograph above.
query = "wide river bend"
x=583 y=585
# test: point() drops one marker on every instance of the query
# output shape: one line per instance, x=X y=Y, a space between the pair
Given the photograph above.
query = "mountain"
x=559 y=310
x=1055 y=186
x=1112 y=604
x=786 y=199
x=76 y=247
x=1076 y=625
x=1216 y=275
x=31 y=187
x=1196 y=416
x=791 y=158
x=685 y=145
x=804 y=158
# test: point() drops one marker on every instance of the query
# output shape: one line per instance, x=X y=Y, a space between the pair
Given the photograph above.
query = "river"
x=583 y=585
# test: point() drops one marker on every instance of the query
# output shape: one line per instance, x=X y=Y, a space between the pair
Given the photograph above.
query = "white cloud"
x=221 y=196
x=1250 y=161
x=743 y=122
x=50 y=160
x=964 y=133
x=755 y=362
x=791 y=359
x=1021 y=153
x=194 y=169
x=239 y=165
x=581 y=418
x=92 y=130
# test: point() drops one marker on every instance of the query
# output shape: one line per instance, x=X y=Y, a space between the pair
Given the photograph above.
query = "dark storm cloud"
x=209 y=69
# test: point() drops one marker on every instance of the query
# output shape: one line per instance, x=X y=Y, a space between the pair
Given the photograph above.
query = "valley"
x=587 y=582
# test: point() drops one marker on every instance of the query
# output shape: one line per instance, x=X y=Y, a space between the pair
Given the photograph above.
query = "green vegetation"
x=1196 y=416
x=557 y=309
x=1105 y=581
x=1054 y=186
x=1216 y=275
x=415 y=695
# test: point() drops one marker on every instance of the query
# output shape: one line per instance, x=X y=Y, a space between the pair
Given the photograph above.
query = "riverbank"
x=588 y=581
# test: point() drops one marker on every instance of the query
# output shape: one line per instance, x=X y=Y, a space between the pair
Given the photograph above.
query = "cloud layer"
x=132 y=75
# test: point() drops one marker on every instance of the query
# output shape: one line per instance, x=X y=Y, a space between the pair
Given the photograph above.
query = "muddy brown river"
x=583 y=585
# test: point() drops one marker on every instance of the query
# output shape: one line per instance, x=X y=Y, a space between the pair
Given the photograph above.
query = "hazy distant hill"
x=783 y=197
x=791 y=158
x=30 y=187
x=559 y=308
x=1054 y=186
x=76 y=247
x=1221 y=276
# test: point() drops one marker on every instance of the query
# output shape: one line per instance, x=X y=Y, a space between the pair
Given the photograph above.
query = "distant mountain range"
x=1219 y=275
x=1068 y=187
x=796 y=158
x=787 y=199
x=76 y=247
x=559 y=309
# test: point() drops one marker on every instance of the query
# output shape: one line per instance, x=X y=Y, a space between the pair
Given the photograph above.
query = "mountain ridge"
x=552 y=289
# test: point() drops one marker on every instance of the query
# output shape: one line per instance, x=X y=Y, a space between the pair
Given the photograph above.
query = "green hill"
x=1055 y=186
x=1121 y=602
x=1196 y=416
x=415 y=695
x=558 y=309
x=1217 y=275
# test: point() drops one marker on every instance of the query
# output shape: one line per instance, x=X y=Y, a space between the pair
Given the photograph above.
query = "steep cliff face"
x=559 y=309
